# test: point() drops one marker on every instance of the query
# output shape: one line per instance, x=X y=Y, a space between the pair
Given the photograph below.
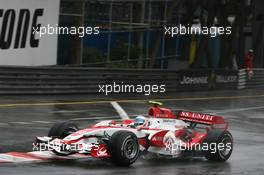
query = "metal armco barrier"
x=83 y=80
x=257 y=81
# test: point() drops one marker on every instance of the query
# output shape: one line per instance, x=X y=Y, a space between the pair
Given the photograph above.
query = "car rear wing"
x=216 y=122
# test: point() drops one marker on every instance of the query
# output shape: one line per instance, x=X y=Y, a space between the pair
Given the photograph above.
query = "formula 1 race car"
x=161 y=133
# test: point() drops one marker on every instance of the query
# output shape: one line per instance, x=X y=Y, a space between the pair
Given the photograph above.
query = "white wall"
x=46 y=52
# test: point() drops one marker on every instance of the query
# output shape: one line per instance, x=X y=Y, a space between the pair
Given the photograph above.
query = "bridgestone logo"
x=16 y=26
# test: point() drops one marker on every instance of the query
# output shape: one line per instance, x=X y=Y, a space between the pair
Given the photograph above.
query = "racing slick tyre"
x=124 y=148
x=61 y=130
x=220 y=144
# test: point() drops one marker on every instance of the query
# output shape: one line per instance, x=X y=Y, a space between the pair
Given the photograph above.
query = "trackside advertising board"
x=19 y=44
x=207 y=79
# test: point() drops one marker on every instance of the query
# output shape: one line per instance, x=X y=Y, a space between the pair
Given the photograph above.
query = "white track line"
x=21 y=123
x=74 y=111
x=237 y=110
x=3 y=124
x=256 y=117
x=43 y=122
x=93 y=118
x=122 y=113
x=49 y=122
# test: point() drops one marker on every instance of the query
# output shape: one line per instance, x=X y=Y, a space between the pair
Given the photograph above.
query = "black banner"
x=207 y=80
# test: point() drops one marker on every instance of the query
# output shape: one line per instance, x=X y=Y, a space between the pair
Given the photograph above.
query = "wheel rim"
x=227 y=149
x=130 y=148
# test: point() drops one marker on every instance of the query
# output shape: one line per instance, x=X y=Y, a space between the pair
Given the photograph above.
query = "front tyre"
x=124 y=148
x=62 y=130
x=220 y=144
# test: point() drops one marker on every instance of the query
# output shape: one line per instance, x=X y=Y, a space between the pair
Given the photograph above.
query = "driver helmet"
x=139 y=120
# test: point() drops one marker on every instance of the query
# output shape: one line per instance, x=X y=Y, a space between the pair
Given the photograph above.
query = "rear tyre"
x=124 y=148
x=61 y=130
x=220 y=144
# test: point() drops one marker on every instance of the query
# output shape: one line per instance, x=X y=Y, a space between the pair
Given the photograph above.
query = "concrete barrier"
x=83 y=80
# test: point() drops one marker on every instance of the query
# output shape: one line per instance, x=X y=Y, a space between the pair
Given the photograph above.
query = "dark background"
x=132 y=33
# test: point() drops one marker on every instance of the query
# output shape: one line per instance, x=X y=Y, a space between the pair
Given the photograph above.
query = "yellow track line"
x=129 y=101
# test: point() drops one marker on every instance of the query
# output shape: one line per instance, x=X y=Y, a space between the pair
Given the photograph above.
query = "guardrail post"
x=242 y=79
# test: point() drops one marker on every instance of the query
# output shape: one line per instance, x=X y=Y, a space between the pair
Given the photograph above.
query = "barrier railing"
x=83 y=80
x=256 y=81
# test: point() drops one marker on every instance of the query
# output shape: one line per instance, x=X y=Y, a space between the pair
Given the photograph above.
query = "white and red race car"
x=162 y=133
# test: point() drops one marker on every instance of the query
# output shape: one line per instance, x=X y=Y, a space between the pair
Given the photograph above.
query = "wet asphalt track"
x=23 y=117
